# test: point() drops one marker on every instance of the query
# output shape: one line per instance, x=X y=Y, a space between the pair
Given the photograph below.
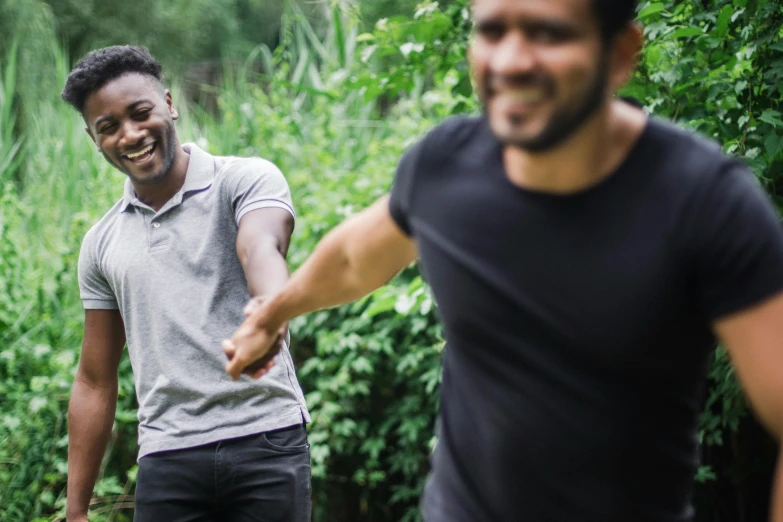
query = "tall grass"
x=10 y=142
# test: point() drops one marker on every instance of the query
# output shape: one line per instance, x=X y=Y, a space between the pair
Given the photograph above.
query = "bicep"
x=271 y=226
x=753 y=338
x=375 y=242
x=104 y=340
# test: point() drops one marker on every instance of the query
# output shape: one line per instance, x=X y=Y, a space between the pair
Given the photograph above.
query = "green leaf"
x=774 y=145
x=772 y=117
x=651 y=9
x=686 y=32
x=723 y=20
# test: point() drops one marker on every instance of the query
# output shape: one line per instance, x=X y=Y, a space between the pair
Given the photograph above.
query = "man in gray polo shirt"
x=168 y=269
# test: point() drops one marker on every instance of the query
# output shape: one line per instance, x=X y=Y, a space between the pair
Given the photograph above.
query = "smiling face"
x=131 y=120
x=541 y=68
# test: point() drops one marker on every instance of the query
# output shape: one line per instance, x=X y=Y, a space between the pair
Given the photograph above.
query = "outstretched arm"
x=360 y=255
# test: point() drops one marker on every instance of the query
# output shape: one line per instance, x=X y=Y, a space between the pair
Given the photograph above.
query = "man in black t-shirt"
x=585 y=260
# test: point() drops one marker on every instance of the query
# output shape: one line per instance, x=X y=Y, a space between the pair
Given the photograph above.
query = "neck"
x=155 y=195
x=584 y=159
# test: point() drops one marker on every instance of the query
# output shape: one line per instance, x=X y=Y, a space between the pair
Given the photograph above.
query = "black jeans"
x=260 y=478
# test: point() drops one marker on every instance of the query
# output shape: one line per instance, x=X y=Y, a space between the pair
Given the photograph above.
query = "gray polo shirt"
x=175 y=277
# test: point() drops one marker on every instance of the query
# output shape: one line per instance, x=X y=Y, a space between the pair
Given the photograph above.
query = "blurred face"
x=540 y=66
x=131 y=119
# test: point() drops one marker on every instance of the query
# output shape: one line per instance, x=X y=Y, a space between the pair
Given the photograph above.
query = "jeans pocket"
x=288 y=440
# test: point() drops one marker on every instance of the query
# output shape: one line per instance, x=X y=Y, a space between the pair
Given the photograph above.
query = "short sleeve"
x=255 y=184
x=400 y=199
x=94 y=289
x=737 y=243
x=426 y=158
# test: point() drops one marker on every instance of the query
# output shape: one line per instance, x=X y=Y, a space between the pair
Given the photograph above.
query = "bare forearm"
x=90 y=418
x=266 y=271
x=332 y=275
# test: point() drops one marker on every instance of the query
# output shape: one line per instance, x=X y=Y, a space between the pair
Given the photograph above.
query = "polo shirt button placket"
x=157 y=237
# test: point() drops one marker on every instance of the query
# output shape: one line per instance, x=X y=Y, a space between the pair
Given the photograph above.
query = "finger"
x=236 y=365
x=228 y=348
x=263 y=371
x=252 y=306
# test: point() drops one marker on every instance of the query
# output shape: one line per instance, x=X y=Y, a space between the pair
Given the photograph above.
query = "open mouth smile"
x=141 y=155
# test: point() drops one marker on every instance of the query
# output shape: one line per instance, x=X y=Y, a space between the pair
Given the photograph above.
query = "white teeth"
x=143 y=151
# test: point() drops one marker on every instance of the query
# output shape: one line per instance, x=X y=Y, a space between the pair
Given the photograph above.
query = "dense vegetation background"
x=333 y=92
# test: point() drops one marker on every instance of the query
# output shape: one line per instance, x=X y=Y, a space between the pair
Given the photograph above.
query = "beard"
x=565 y=120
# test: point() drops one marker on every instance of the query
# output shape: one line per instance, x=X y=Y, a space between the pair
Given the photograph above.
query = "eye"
x=109 y=128
x=548 y=34
x=142 y=114
x=491 y=31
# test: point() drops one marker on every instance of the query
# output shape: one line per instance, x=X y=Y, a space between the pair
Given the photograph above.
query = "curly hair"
x=99 y=67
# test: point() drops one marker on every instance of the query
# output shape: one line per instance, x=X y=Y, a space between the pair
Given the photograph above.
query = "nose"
x=514 y=55
x=132 y=134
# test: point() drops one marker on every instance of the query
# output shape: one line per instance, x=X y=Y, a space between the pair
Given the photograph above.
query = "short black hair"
x=613 y=15
x=99 y=67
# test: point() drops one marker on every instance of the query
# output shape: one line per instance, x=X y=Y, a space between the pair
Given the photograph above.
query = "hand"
x=252 y=348
x=254 y=305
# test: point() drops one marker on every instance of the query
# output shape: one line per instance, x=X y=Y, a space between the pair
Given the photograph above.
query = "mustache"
x=494 y=82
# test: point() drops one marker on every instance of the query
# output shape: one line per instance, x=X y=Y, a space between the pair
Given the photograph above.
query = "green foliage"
x=180 y=32
x=719 y=71
x=407 y=54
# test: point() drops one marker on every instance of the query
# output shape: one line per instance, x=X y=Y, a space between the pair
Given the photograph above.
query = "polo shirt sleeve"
x=94 y=289
x=258 y=183
x=736 y=240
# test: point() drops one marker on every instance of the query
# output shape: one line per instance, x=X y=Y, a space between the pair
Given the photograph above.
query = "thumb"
x=234 y=368
x=228 y=348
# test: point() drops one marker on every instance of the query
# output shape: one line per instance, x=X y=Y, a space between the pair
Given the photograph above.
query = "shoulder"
x=691 y=168
x=690 y=156
x=98 y=237
x=98 y=232
x=445 y=143
x=233 y=167
x=452 y=135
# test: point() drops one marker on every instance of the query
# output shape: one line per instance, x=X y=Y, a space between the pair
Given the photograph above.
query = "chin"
x=149 y=179
x=510 y=134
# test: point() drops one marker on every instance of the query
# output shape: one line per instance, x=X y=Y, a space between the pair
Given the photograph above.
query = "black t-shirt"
x=578 y=326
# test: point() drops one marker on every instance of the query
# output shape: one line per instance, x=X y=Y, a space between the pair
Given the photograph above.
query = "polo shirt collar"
x=199 y=176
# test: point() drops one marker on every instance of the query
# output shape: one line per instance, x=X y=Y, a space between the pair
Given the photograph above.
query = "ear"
x=170 y=105
x=625 y=53
x=92 y=137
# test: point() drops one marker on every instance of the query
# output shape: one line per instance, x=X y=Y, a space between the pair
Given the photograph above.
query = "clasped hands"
x=252 y=348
